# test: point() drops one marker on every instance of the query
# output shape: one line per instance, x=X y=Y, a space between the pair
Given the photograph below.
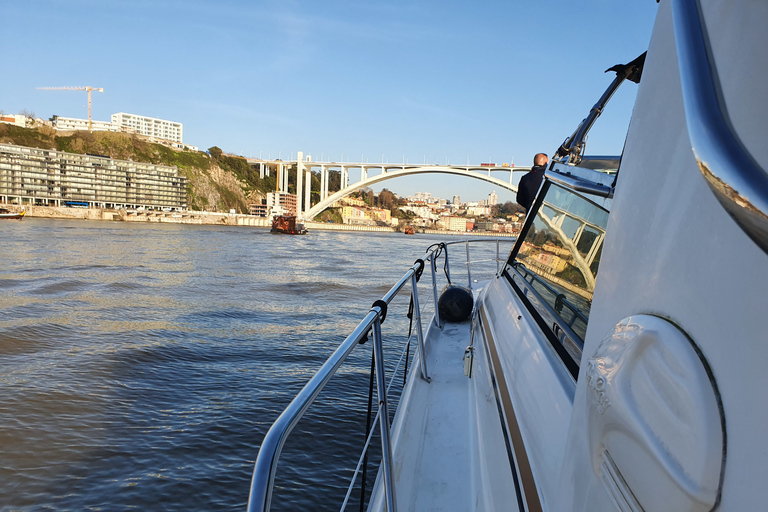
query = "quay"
x=209 y=218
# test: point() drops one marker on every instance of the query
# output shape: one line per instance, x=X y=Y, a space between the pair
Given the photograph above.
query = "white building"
x=423 y=212
x=18 y=119
x=480 y=211
x=452 y=223
x=493 y=199
x=456 y=200
x=149 y=126
x=72 y=123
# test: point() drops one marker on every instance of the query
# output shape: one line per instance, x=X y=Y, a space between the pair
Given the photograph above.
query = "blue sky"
x=441 y=81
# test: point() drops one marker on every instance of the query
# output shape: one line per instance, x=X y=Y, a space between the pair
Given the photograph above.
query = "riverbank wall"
x=346 y=227
x=210 y=218
x=184 y=217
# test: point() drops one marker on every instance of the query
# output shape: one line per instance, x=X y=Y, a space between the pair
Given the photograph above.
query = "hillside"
x=217 y=182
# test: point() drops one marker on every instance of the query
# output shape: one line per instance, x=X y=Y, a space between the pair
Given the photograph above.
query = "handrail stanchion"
x=419 y=332
x=469 y=273
x=497 y=257
x=434 y=289
x=447 y=265
x=381 y=389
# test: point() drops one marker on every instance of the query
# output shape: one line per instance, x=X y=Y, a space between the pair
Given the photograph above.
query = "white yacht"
x=614 y=362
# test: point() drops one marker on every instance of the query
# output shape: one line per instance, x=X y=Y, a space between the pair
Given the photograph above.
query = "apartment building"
x=72 y=123
x=452 y=223
x=281 y=203
x=149 y=126
x=55 y=178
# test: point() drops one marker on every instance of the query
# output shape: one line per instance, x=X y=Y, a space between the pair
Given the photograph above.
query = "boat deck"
x=437 y=466
x=439 y=458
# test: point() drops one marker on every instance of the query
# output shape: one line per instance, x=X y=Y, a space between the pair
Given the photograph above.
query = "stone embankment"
x=185 y=217
x=495 y=234
x=346 y=227
x=209 y=218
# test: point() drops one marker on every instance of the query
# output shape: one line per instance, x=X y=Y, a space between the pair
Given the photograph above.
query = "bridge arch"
x=391 y=174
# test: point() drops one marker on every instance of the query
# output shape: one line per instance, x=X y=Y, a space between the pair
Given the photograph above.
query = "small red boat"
x=287 y=224
x=408 y=230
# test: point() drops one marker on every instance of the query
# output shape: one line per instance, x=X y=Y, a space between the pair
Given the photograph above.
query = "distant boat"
x=287 y=224
x=408 y=230
x=5 y=213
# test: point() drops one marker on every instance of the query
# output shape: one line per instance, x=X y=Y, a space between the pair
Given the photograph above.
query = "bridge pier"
x=323 y=182
x=299 y=176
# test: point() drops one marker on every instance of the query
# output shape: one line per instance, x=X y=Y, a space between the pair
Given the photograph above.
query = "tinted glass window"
x=560 y=254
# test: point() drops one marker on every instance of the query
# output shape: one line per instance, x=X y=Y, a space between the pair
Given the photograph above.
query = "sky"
x=416 y=81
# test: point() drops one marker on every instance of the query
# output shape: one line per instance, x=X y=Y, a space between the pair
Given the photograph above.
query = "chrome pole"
x=381 y=389
x=469 y=274
x=434 y=289
x=497 y=256
x=447 y=265
x=419 y=332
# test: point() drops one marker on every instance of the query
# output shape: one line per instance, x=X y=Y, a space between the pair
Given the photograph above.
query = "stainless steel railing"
x=262 y=483
x=735 y=177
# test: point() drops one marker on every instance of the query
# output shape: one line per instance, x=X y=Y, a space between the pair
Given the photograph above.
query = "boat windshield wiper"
x=571 y=151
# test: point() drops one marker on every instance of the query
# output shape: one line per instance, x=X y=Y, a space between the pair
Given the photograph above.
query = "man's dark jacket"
x=529 y=186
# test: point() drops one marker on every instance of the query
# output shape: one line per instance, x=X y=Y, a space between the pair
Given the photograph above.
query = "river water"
x=142 y=364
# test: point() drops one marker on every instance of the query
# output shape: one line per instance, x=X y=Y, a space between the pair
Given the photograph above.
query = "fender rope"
x=441 y=248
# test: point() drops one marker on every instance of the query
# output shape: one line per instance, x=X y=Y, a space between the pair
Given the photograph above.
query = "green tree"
x=215 y=152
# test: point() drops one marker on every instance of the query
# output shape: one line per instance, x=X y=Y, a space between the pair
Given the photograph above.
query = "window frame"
x=564 y=341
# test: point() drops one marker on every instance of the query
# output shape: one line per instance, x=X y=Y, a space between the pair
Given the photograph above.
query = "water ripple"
x=146 y=378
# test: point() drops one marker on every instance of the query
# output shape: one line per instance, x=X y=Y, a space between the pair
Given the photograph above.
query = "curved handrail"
x=735 y=177
x=265 y=467
x=272 y=445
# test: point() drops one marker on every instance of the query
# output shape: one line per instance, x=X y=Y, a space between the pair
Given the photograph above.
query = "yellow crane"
x=89 y=89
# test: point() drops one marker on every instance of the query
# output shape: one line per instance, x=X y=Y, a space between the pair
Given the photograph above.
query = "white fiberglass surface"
x=541 y=388
x=439 y=460
x=672 y=251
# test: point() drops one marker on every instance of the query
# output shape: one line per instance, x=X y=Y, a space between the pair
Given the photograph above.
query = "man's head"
x=540 y=159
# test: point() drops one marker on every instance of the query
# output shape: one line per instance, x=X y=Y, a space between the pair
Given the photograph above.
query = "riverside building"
x=73 y=123
x=149 y=126
x=281 y=203
x=54 y=178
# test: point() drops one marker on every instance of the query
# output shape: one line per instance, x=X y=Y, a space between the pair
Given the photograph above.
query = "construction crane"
x=89 y=89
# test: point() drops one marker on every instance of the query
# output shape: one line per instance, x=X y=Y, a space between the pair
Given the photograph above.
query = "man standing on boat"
x=530 y=183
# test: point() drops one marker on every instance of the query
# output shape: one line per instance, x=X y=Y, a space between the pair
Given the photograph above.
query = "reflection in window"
x=561 y=252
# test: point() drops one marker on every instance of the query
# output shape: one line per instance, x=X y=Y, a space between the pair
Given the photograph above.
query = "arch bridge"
x=386 y=172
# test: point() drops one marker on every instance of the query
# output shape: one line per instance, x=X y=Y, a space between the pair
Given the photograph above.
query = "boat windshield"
x=559 y=256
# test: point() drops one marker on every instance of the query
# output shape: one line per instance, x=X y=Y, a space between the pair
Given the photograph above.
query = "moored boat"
x=5 y=213
x=408 y=230
x=288 y=225
x=613 y=362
